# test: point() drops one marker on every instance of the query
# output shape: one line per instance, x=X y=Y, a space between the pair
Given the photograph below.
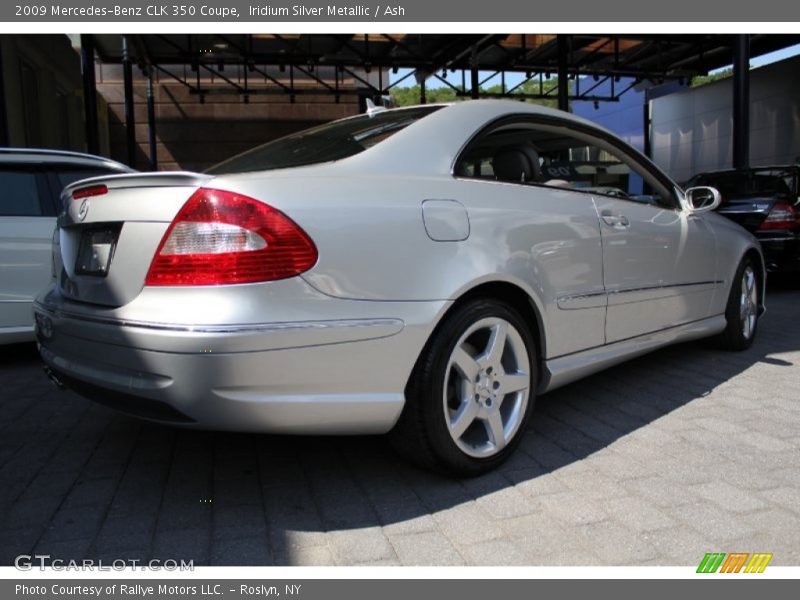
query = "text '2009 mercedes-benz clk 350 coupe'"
x=424 y=271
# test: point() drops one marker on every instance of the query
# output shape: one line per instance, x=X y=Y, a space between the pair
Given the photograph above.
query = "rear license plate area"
x=96 y=250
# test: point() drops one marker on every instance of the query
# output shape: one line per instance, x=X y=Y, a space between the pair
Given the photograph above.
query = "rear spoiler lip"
x=128 y=180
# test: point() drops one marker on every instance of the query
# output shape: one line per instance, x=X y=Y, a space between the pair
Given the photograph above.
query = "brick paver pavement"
x=655 y=462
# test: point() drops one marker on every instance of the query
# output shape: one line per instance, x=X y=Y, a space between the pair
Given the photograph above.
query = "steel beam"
x=89 y=94
x=563 y=63
x=130 y=117
x=741 y=101
x=151 y=121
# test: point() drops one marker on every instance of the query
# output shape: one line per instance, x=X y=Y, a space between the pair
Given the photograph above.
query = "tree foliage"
x=408 y=96
x=706 y=79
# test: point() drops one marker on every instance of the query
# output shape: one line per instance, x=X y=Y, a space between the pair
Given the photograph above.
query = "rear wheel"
x=471 y=392
x=742 y=310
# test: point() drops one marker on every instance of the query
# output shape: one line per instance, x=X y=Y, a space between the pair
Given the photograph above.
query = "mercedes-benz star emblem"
x=83 y=210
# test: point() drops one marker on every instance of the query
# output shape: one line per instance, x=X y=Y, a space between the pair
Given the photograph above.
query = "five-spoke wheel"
x=471 y=392
x=486 y=387
x=748 y=304
x=743 y=307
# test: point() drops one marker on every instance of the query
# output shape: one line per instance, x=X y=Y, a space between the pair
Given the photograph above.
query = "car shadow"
x=122 y=488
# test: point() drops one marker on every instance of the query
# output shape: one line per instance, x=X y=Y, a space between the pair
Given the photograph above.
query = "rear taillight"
x=782 y=216
x=221 y=237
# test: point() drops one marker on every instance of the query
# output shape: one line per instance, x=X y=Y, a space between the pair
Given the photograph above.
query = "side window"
x=556 y=156
x=20 y=194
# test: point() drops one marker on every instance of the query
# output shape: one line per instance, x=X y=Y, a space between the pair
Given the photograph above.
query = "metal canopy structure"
x=644 y=57
x=249 y=64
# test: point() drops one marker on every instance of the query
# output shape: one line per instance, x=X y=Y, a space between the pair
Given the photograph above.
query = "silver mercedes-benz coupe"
x=424 y=271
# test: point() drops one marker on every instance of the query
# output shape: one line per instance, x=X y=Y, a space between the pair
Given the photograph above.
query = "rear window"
x=20 y=194
x=332 y=141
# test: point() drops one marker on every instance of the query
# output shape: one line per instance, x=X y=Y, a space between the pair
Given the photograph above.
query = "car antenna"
x=372 y=109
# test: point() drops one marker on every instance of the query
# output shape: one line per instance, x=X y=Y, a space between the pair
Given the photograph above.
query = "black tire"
x=735 y=336
x=422 y=433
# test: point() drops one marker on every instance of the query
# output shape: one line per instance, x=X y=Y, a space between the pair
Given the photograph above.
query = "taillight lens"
x=88 y=192
x=782 y=216
x=221 y=237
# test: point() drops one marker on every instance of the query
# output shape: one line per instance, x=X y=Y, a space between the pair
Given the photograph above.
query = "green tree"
x=408 y=96
x=705 y=79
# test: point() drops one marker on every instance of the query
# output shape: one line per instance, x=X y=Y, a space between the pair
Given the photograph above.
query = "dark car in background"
x=30 y=187
x=766 y=202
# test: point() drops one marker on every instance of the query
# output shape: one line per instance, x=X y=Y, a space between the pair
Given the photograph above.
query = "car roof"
x=486 y=109
x=432 y=143
x=44 y=155
x=429 y=146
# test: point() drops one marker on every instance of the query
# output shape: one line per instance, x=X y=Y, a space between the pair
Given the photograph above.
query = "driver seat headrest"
x=518 y=163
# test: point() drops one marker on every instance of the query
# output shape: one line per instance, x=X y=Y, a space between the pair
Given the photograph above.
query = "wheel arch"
x=505 y=291
x=516 y=297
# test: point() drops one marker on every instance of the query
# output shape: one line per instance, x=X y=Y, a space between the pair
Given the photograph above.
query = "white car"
x=424 y=271
x=30 y=185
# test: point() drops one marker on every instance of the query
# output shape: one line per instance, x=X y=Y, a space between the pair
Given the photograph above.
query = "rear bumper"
x=320 y=376
x=781 y=252
x=16 y=335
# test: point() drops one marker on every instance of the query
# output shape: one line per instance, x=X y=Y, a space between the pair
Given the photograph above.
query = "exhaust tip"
x=51 y=375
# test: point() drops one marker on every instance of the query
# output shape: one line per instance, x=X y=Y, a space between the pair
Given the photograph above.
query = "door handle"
x=618 y=221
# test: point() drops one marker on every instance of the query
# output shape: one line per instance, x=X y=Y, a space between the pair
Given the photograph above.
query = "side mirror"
x=702 y=199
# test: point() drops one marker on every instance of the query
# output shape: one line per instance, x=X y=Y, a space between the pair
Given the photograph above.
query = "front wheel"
x=742 y=309
x=471 y=392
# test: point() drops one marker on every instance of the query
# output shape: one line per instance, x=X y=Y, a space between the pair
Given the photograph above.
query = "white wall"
x=692 y=130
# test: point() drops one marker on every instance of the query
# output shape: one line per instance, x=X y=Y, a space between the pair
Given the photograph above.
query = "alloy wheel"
x=487 y=386
x=748 y=306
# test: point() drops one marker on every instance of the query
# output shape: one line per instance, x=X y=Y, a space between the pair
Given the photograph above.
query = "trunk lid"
x=106 y=240
x=748 y=211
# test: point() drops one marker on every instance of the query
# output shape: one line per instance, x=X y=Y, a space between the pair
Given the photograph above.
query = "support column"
x=4 y=137
x=563 y=74
x=151 y=120
x=474 y=75
x=741 y=101
x=130 y=116
x=89 y=94
x=646 y=148
x=422 y=98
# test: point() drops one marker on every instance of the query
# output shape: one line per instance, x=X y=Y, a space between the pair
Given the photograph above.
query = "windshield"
x=332 y=141
x=754 y=182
